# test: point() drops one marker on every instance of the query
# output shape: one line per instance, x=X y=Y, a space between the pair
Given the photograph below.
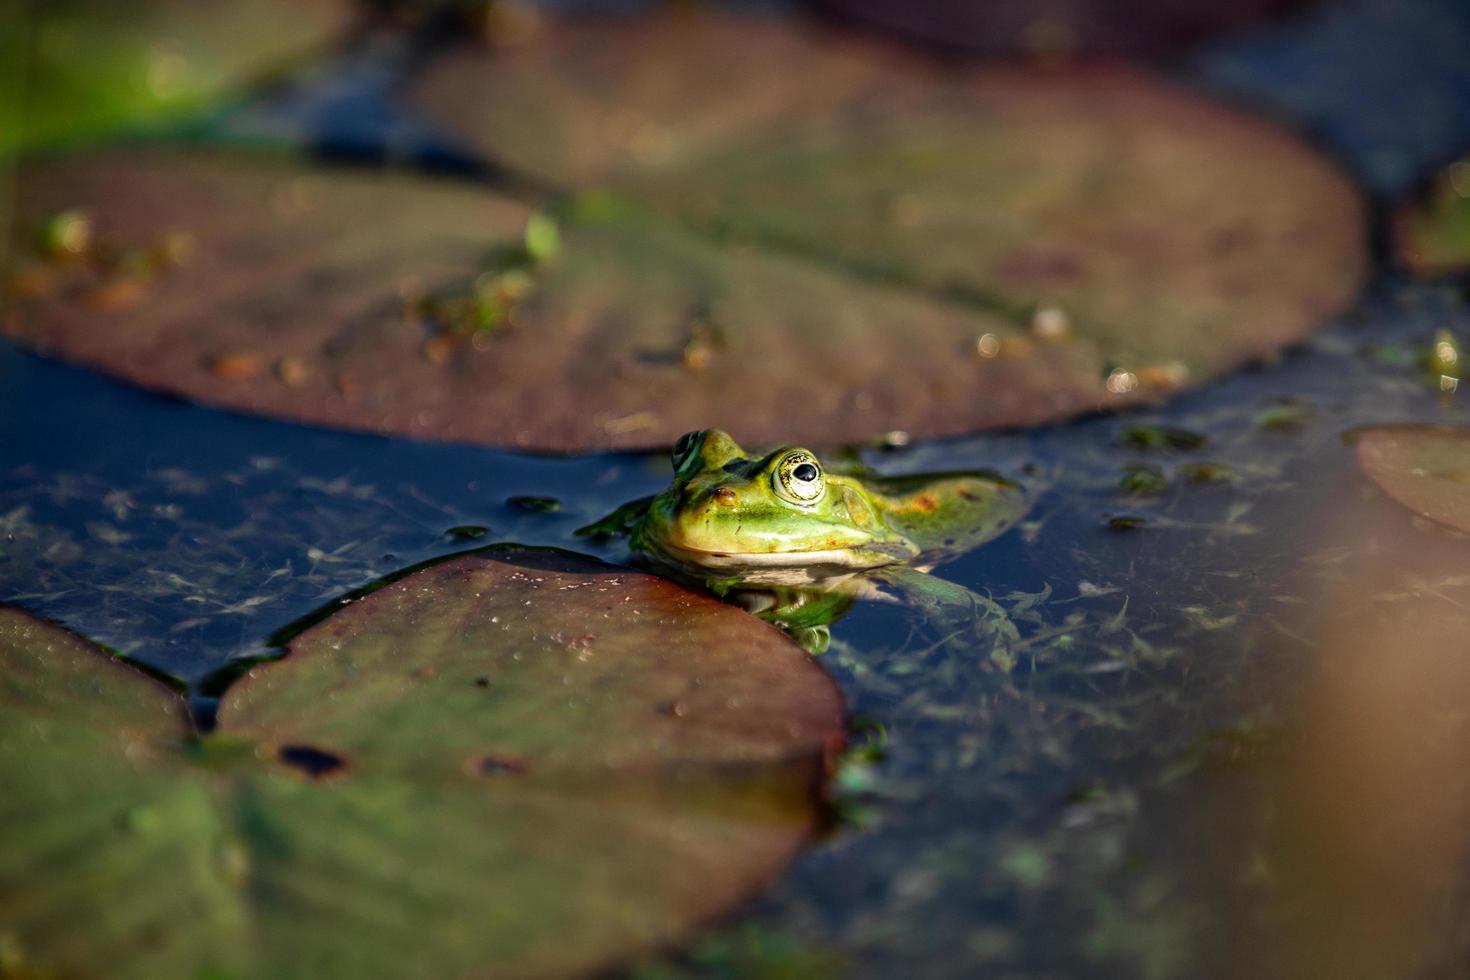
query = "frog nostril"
x=725 y=497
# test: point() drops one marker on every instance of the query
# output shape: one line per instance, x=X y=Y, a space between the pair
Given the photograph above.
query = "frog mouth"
x=870 y=555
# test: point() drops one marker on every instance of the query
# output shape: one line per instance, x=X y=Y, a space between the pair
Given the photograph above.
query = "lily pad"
x=254 y=283
x=1433 y=234
x=1098 y=212
x=797 y=238
x=520 y=765
x=1425 y=468
x=78 y=68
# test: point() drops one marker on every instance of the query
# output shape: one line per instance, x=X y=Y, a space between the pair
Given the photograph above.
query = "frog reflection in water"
x=796 y=544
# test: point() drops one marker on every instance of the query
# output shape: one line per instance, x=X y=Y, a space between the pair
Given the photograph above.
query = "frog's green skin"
x=797 y=543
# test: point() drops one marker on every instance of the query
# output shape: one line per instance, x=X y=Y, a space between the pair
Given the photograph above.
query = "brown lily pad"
x=797 y=238
x=1425 y=468
x=1432 y=235
x=253 y=284
x=519 y=765
x=1158 y=231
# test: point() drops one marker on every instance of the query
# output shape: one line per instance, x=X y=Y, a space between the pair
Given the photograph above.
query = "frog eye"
x=684 y=449
x=799 y=478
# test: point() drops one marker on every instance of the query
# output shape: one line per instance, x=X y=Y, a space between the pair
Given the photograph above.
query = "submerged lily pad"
x=526 y=765
x=1433 y=234
x=798 y=238
x=78 y=68
x=1425 y=468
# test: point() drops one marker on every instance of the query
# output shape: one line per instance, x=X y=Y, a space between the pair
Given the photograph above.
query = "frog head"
x=778 y=518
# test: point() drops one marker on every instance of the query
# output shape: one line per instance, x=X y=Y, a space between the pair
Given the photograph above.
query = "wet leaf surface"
x=1425 y=468
x=928 y=252
x=99 y=826
x=1432 y=235
x=291 y=295
x=573 y=651
x=453 y=775
x=75 y=69
x=1050 y=242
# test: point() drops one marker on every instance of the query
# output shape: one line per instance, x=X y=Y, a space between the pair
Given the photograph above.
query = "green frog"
x=796 y=542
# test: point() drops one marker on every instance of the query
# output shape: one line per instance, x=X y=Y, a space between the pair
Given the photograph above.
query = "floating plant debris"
x=536 y=505
x=1162 y=438
x=1143 y=480
x=1285 y=415
x=1204 y=472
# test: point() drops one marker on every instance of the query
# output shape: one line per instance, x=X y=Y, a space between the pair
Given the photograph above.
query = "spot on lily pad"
x=311 y=761
x=495 y=765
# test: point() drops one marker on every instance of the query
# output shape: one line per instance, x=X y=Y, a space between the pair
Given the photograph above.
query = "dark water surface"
x=1121 y=794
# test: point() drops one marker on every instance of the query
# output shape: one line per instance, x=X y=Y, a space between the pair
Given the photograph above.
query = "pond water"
x=1121 y=793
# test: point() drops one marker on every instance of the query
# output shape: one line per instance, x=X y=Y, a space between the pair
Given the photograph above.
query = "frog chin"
x=790 y=568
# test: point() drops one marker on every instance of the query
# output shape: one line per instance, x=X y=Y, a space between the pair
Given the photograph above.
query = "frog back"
x=947 y=514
